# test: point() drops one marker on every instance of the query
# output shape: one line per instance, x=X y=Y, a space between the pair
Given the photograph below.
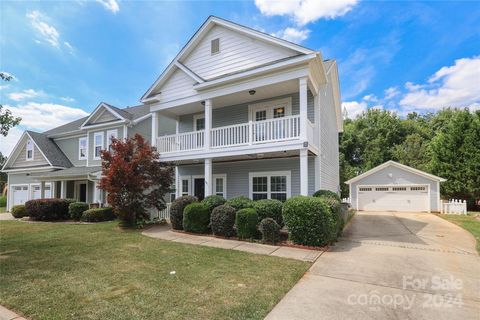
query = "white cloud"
x=44 y=116
x=391 y=92
x=25 y=94
x=7 y=143
x=48 y=32
x=354 y=108
x=67 y=99
x=305 y=11
x=370 y=98
x=452 y=86
x=110 y=5
x=293 y=34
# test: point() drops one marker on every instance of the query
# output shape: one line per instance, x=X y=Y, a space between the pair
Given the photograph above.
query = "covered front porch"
x=79 y=183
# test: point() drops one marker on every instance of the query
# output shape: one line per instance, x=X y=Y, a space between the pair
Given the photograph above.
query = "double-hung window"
x=184 y=186
x=98 y=145
x=270 y=185
x=29 y=150
x=82 y=148
x=220 y=185
x=111 y=134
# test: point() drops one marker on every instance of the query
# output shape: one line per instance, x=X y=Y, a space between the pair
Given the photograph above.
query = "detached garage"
x=395 y=187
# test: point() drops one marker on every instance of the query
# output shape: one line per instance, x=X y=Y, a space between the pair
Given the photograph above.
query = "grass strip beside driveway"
x=469 y=222
x=62 y=271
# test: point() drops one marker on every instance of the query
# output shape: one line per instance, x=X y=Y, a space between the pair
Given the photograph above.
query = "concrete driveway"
x=391 y=266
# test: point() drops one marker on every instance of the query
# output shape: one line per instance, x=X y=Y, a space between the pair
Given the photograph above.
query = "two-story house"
x=238 y=111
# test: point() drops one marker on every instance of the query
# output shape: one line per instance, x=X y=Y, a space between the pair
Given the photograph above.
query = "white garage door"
x=389 y=198
x=36 y=194
x=19 y=194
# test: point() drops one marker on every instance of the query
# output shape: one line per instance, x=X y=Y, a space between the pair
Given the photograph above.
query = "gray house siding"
x=91 y=143
x=237 y=173
x=398 y=176
x=70 y=149
x=166 y=126
x=236 y=114
x=21 y=159
x=144 y=128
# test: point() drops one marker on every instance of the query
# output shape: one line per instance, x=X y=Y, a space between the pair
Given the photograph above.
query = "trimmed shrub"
x=47 y=209
x=246 y=221
x=222 y=221
x=269 y=208
x=176 y=211
x=239 y=203
x=270 y=230
x=196 y=218
x=213 y=201
x=19 y=211
x=76 y=209
x=3 y=201
x=327 y=194
x=309 y=220
x=98 y=214
x=335 y=205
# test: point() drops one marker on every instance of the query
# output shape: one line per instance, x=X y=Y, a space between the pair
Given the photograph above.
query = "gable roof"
x=201 y=32
x=119 y=113
x=398 y=165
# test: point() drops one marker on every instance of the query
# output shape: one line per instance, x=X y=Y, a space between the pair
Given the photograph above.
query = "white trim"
x=439 y=203
x=106 y=124
x=189 y=72
x=180 y=189
x=69 y=137
x=269 y=174
x=269 y=105
x=195 y=118
x=138 y=120
x=31 y=185
x=101 y=105
x=95 y=145
x=398 y=165
x=83 y=138
x=214 y=182
x=14 y=150
x=76 y=190
x=32 y=146
x=125 y=132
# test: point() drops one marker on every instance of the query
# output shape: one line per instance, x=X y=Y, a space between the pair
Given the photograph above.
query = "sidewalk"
x=6 y=314
x=165 y=233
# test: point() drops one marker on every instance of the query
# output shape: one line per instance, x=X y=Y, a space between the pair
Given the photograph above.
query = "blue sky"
x=68 y=56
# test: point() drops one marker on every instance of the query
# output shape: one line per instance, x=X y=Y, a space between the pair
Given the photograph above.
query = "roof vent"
x=215 y=46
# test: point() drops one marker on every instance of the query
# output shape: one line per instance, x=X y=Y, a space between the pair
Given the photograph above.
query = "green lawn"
x=3 y=209
x=468 y=222
x=96 y=271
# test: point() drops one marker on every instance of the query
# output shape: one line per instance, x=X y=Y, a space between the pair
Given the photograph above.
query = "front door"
x=199 y=188
x=82 y=192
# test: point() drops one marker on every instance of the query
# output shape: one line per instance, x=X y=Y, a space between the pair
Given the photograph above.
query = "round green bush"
x=213 y=201
x=309 y=220
x=196 y=218
x=270 y=230
x=98 y=214
x=222 y=221
x=269 y=208
x=76 y=209
x=176 y=211
x=47 y=209
x=327 y=194
x=239 y=203
x=19 y=211
x=246 y=221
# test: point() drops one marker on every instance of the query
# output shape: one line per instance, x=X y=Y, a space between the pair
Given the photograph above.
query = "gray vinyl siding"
x=236 y=114
x=144 y=128
x=70 y=149
x=238 y=173
x=105 y=117
x=166 y=126
x=21 y=178
x=91 y=143
x=21 y=159
x=399 y=176
x=329 y=168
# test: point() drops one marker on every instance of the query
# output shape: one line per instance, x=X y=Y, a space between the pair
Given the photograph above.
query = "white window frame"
x=270 y=174
x=211 y=47
x=195 y=118
x=192 y=178
x=180 y=187
x=80 y=148
x=269 y=106
x=95 y=145
x=111 y=133
x=29 y=147
x=220 y=176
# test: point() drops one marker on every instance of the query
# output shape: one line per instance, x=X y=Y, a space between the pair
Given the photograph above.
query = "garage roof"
x=398 y=165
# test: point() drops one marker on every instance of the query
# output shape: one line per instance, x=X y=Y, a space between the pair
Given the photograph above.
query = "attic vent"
x=215 y=46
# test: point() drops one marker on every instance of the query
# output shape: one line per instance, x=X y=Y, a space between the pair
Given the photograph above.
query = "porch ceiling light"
x=252 y=92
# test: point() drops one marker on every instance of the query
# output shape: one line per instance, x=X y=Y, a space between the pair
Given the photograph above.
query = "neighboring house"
x=238 y=111
x=392 y=186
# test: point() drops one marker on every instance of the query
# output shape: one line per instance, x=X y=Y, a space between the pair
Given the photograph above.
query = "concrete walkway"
x=6 y=216
x=391 y=266
x=6 y=314
x=165 y=233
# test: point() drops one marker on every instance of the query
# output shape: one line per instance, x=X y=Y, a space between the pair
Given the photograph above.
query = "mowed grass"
x=469 y=222
x=97 y=271
x=3 y=209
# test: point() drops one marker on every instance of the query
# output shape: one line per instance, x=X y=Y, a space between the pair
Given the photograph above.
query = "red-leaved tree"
x=134 y=179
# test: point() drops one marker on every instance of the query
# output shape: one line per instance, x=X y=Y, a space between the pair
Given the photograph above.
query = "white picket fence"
x=454 y=206
x=162 y=214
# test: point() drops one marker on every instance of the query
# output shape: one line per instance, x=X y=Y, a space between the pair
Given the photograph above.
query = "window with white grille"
x=215 y=46
x=365 y=189
x=381 y=189
x=399 y=188
x=418 y=188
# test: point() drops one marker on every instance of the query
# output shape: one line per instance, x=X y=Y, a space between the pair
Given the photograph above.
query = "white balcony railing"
x=256 y=132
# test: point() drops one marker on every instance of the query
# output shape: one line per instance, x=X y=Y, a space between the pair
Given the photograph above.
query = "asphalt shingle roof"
x=50 y=149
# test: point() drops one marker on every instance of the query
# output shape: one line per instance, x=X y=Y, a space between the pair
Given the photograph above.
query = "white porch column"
x=304 y=172
x=302 y=82
x=96 y=192
x=154 y=128
x=208 y=177
x=42 y=190
x=178 y=184
x=208 y=123
x=63 y=189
